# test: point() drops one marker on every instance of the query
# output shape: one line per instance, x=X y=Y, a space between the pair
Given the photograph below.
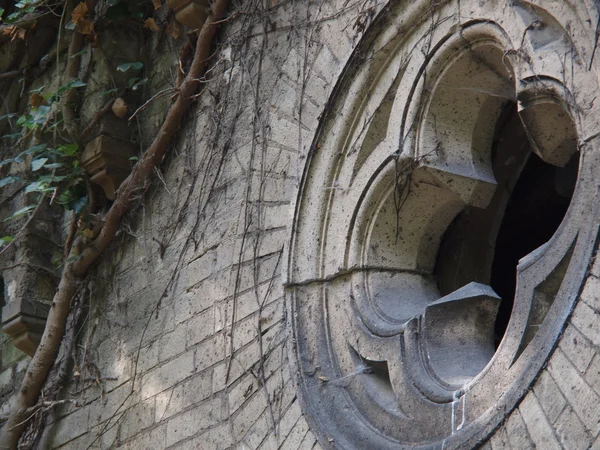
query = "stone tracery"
x=394 y=315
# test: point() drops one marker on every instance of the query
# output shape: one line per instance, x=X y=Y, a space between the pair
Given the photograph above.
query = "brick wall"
x=187 y=322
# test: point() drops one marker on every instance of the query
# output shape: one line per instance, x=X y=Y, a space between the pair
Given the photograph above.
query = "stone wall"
x=188 y=342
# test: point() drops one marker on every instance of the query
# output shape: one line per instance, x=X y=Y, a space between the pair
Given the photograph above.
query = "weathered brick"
x=242 y=390
x=172 y=344
x=587 y=321
x=549 y=396
x=165 y=376
x=296 y=435
x=194 y=421
x=577 y=348
x=136 y=419
x=194 y=390
x=218 y=438
x=570 y=431
x=591 y=292
x=540 y=431
x=150 y=439
x=517 y=433
x=199 y=327
x=499 y=440
x=209 y=352
x=580 y=396
x=71 y=426
x=592 y=375
x=308 y=442
x=289 y=419
x=259 y=430
x=247 y=414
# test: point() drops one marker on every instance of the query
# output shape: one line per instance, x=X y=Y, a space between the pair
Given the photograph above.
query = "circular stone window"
x=444 y=225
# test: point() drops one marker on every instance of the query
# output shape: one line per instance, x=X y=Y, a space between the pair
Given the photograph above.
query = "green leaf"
x=37 y=164
x=21 y=212
x=139 y=84
x=73 y=258
x=111 y=91
x=38 y=90
x=134 y=158
x=132 y=82
x=82 y=52
x=50 y=179
x=1 y=12
x=68 y=149
x=79 y=204
x=130 y=66
x=8 y=180
x=38 y=186
x=6 y=240
x=72 y=84
x=54 y=166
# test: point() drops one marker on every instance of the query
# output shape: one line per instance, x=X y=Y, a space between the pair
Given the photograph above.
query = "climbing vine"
x=49 y=168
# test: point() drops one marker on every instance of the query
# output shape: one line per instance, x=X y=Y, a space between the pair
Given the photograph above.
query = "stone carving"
x=424 y=305
x=107 y=160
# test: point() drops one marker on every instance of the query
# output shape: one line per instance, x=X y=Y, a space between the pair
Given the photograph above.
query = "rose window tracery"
x=443 y=226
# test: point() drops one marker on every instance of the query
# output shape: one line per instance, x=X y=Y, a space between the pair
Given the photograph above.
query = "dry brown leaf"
x=173 y=29
x=79 y=13
x=36 y=100
x=85 y=26
x=119 y=108
x=14 y=32
x=157 y=4
x=150 y=23
x=88 y=233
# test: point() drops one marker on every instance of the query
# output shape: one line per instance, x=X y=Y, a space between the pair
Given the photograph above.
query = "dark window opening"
x=531 y=200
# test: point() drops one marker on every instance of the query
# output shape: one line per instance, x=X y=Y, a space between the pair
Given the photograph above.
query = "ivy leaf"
x=79 y=204
x=72 y=84
x=54 y=166
x=68 y=149
x=21 y=212
x=6 y=240
x=8 y=180
x=38 y=186
x=37 y=164
x=130 y=66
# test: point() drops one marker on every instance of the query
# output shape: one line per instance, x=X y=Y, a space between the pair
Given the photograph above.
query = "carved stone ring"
x=444 y=224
